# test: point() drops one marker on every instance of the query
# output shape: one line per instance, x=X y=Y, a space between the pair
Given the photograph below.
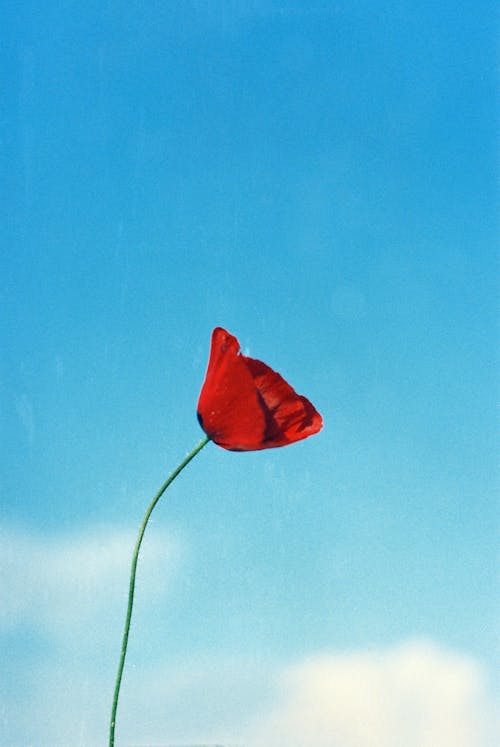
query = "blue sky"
x=319 y=179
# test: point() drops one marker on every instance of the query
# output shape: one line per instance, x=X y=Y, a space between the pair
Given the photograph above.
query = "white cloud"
x=70 y=592
x=62 y=609
x=63 y=585
x=412 y=695
x=416 y=695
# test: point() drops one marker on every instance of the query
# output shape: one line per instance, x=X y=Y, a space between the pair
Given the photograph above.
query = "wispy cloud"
x=70 y=591
x=61 y=585
x=62 y=607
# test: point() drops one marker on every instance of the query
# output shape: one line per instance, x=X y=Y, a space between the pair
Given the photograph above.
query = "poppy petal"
x=228 y=407
x=244 y=405
x=290 y=416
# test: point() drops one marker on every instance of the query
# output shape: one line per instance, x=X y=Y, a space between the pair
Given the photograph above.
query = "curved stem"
x=130 y=604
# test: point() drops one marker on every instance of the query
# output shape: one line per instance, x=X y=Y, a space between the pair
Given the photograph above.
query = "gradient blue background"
x=319 y=179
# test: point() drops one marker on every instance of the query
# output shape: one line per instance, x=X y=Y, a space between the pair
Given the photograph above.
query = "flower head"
x=244 y=405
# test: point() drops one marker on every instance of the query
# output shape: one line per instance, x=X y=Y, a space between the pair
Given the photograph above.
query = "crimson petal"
x=244 y=405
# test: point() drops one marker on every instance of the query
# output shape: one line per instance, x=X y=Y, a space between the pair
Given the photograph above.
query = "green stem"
x=130 y=604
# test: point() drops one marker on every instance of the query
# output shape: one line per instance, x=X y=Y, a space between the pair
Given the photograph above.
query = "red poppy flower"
x=244 y=405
